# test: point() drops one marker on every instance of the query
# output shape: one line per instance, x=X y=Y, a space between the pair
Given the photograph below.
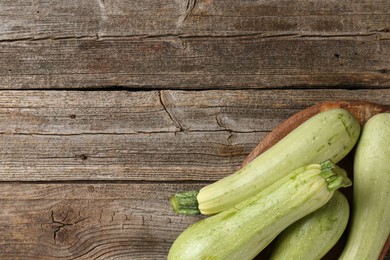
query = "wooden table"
x=109 y=107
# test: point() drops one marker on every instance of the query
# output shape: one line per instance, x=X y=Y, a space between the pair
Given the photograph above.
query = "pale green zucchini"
x=370 y=216
x=314 y=235
x=242 y=231
x=328 y=135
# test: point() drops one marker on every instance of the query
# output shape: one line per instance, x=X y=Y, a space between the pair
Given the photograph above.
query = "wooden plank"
x=163 y=156
x=89 y=221
x=165 y=136
x=194 y=44
x=41 y=19
x=253 y=110
x=69 y=112
x=196 y=62
x=166 y=111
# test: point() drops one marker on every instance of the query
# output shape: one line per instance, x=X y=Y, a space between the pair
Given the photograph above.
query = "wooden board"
x=196 y=63
x=166 y=135
x=191 y=44
x=41 y=19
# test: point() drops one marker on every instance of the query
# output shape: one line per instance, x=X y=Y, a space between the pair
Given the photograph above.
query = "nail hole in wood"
x=384 y=71
x=82 y=157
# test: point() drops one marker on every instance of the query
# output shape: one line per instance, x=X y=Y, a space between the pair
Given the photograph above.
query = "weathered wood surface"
x=196 y=63
x=40 y=19
x=100 y=123
x=154 y=135
x=194 y=44
x=89 y=221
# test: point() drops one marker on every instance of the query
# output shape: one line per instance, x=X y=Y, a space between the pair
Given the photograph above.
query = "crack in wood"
x=112 y=216
x=218 y=119
x=58 y=225
x=189 y=7
x=163 y=103
x=49 y=38
x=179 y=129
x=100 y=216
x=259 y=35
x=225 y=128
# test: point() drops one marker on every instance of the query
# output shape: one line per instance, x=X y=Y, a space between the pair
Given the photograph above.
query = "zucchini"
x=314 y=235
x=242 y=231
x=328 y=135
x=370 y=216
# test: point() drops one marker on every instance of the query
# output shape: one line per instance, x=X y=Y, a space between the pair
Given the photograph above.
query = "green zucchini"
x=314 y=235
x=242 y=231
x=370 y=216
x=328 y=135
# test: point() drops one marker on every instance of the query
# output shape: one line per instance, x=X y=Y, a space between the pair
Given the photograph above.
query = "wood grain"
x=106 y=18
x=119 y=135
x=89 y=221
x=166 y=156
x=196 y=63
x=194 y=44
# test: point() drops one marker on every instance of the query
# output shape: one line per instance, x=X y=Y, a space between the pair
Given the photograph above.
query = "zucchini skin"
x=244 y=230
x=315 y=234
x=370 y=216
x=329 y=135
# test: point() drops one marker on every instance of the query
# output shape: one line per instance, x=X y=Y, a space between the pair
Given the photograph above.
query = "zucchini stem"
x=185 y=203
x=335 y=176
